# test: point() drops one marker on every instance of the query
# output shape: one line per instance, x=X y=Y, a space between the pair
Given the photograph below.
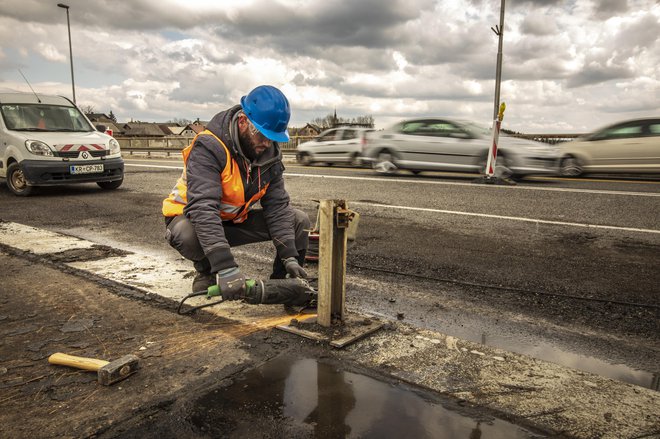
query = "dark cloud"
x=641 y=34
x=310 y=31
x=539 y=25
x=595 y=72
x=604 y=9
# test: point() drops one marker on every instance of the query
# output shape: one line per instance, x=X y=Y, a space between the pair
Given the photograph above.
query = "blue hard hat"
x=268 y=110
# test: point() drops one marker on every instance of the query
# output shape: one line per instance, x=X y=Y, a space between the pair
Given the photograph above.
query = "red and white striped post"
x=492 y=152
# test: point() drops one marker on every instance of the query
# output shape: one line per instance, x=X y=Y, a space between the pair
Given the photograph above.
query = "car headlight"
x=38 y=147
x=114 y=147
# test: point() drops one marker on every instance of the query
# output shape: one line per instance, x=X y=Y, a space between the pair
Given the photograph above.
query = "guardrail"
x=174 y=144
x=548 y=138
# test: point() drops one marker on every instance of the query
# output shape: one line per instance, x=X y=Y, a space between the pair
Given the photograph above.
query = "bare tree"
x=87 y=109
x=331 y=121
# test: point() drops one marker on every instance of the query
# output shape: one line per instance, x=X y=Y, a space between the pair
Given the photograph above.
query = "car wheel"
x=384 y=164
x=570 y=167
x=502 y=164
x=109 y=185
x=304 y=159
x=16 y=181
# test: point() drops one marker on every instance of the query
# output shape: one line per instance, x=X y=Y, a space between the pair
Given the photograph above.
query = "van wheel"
x=109 y=185
x=16 y=181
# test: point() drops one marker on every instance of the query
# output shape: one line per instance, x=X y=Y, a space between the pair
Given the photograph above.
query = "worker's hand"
x=293 y=268
x=231 y=283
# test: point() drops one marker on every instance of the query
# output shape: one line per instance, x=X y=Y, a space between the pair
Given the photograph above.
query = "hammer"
x=109 y=372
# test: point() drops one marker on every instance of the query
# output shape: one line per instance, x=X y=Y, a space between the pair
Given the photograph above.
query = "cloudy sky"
x=569 y=66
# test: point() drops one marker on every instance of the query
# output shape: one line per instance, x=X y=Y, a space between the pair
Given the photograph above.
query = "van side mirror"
x=101 y=128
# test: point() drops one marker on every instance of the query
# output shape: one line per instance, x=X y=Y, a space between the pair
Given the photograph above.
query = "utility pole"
x=499 y=31
x=68 y=25
x=498 y=113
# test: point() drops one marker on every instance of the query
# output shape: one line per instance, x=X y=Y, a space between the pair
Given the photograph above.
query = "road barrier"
x=174 y=144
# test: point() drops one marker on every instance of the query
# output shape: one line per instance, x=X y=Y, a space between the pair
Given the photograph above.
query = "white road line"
x=449 y=183
x=444 y=183
x=512 y=218
x=154 y=166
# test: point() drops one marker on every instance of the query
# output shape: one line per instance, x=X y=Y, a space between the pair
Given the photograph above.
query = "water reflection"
x=327 y=402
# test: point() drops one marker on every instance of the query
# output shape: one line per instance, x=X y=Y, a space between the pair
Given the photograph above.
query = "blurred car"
x=627 y=147
x=336 y=145
x=433 y=144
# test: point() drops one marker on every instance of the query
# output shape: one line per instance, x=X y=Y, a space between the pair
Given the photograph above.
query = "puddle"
x=306 y=398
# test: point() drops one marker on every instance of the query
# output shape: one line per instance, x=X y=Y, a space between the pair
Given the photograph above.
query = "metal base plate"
x=353 y=328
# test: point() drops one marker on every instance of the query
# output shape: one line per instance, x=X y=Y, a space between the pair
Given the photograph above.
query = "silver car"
x=432 y=144
x=627 y=147
x=336 y=145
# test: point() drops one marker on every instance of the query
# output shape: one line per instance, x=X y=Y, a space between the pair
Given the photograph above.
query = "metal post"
x=68 y=25
x=498 y=111
x=333 y=226
x=498 y=73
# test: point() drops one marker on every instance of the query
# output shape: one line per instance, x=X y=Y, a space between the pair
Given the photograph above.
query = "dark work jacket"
x=205 y=163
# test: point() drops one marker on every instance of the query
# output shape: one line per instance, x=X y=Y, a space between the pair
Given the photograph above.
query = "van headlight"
x=114 y=147
x=38 y=147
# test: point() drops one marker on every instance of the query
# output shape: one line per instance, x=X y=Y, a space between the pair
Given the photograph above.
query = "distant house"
x=141 y=129
x=176 y=130
x=99 y=117
x=115 y=128
x=192 y=129
x=307 y=130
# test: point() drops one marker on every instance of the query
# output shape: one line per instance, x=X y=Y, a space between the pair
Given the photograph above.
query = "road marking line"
x=512 y=218
x=180 y=168
x=447 y=183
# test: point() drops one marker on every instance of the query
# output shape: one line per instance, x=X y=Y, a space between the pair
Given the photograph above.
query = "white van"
x=46 y=140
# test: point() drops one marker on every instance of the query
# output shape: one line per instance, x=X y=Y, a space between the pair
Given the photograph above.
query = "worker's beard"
x=248 y=147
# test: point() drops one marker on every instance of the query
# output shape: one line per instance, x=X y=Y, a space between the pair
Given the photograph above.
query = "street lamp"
x=68 y=25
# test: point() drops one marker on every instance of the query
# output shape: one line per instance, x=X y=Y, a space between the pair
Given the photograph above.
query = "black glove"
x=293 y=268
x=231 y=283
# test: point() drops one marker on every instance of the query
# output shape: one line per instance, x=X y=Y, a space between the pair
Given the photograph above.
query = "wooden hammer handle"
x=78 y=362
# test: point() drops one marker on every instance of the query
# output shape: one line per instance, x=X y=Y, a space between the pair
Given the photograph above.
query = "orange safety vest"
x=232 y=205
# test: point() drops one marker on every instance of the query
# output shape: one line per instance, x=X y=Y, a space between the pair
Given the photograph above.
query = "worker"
x=229 y=167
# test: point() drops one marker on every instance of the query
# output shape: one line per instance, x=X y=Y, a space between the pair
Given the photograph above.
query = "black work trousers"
x=181 y=235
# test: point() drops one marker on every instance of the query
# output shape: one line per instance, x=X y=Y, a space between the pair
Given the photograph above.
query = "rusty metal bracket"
x=343 y=217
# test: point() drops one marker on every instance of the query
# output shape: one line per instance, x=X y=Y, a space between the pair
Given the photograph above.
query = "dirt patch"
x=65 y=313
x=93 y=253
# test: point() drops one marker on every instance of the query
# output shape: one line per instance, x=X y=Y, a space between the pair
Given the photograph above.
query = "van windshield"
x=40 y=117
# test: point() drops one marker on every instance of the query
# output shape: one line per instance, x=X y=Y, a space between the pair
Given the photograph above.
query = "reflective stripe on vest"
x=232 y=205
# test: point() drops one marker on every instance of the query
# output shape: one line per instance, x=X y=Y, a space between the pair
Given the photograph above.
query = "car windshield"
x=474 y=128
x=40 y=117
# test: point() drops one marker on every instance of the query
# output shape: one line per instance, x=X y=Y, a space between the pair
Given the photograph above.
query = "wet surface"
x=309 y=398
x=620 y=360
x=544 y=350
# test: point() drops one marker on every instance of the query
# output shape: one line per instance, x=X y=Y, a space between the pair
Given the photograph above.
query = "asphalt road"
x=565 y=270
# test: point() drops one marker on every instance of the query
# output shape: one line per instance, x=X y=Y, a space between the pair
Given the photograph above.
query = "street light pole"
x=68 y=25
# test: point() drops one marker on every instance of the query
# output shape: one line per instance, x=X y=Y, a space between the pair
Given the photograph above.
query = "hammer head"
x=118 y=370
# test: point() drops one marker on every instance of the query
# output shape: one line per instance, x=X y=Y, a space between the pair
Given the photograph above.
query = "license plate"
x=85 y=169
